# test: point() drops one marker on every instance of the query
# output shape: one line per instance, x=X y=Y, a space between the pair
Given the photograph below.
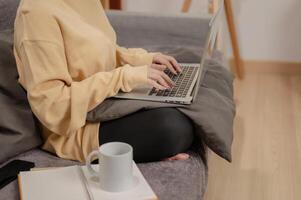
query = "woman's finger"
x=174 y=63
x=156 y=76
x=158 y=67
x=166 y=62
x=156 y=85
x=167 y=79
x=162 y=81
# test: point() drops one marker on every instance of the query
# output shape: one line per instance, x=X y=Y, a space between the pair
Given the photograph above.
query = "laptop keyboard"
x=182 y=83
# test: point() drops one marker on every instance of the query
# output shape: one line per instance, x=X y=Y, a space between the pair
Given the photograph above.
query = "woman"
x=68 y=62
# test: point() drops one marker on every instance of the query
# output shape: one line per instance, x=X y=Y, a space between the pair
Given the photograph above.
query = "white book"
x=68 y=183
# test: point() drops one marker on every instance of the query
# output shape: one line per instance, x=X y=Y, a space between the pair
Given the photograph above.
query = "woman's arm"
x=139 y=56
x=133 y=56
x=60 y=103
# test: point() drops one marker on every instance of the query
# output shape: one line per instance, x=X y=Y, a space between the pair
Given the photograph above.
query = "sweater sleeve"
x=60 y=103
x=133 y=56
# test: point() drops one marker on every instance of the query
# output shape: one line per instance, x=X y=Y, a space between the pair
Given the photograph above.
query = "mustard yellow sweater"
x=69 y=62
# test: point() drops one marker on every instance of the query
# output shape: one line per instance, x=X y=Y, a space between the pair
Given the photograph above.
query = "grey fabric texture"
x=160 y=30
x=18 y=130
x=8 y=9
x=179 y=180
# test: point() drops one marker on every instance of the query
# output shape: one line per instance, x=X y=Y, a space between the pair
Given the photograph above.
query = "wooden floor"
x=267 y=146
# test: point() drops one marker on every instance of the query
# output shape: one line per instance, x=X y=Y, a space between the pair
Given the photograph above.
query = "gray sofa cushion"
x=8 y=9
x=160 y=29
x=18 y=130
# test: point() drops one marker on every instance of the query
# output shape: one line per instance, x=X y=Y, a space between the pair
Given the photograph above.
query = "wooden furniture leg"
x=106 y=4
x=186 y=5
x=238 y=64
x=112 y=4
x=116 y=4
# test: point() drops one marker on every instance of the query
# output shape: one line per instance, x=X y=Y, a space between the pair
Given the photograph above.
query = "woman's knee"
x=175 y=129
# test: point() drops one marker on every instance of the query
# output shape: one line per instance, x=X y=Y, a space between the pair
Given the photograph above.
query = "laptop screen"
x=213 y=27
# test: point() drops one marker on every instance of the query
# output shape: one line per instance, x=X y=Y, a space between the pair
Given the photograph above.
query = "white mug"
x=115 y=172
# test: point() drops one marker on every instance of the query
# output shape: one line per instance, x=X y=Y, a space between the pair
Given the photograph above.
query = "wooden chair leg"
x=186 y=5
x=238 y=64
x=106 y=4
x=116 y=4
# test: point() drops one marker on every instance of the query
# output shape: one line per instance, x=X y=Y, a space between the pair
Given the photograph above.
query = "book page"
x=54 y=184
x=66 y=183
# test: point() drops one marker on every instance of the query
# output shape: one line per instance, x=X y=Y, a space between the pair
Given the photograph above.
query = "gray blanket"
x=212 y=112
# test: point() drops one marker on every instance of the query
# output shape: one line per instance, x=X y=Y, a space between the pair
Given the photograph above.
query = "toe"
x=180 y=156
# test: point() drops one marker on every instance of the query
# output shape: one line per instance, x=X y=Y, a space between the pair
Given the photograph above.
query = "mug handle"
x=89 y=160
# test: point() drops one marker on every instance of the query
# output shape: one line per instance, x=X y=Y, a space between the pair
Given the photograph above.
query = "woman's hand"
x=169 y=61
x=157 y=77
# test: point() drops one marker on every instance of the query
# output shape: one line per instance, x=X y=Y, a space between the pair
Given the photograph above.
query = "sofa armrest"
x=145 y=29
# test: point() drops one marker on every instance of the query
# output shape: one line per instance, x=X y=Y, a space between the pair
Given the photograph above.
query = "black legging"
x=153 y=134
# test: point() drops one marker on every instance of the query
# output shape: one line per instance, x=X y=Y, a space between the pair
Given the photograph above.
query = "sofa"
x=179 y=35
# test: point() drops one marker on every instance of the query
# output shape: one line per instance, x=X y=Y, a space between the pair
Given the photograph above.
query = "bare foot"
x=179 y=156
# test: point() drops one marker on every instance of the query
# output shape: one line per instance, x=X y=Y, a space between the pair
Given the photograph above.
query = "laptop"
x=187 y=83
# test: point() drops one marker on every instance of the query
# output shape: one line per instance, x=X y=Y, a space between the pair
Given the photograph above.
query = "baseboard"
x=260 y=66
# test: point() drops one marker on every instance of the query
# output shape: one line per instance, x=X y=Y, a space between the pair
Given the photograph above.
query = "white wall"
x=167 y=6
x=267 y=29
